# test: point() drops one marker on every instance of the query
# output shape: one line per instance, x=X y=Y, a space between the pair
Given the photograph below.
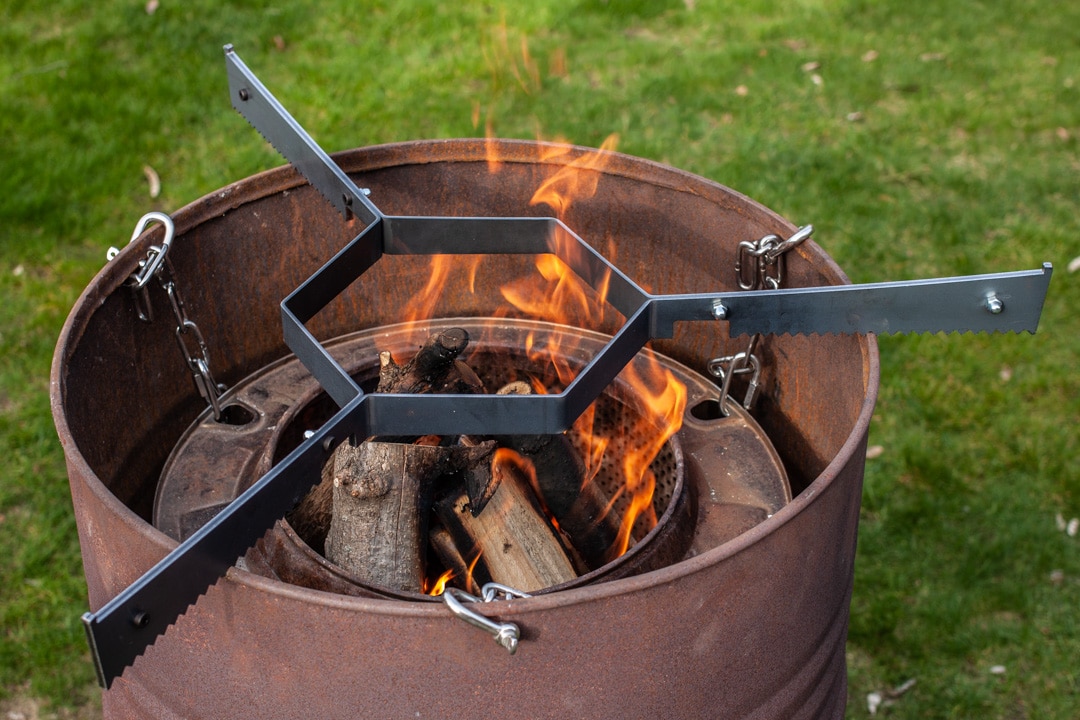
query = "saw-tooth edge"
x=88 y=618
x=293 y=165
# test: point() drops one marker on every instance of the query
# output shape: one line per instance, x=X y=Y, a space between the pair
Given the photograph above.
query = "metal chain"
x=506 y=634
x=158 y=265
x=758 y=265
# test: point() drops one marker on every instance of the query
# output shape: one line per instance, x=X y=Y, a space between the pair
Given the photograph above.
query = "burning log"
x=580 y=508
x=464 y=574
x=522 y=508
x=517 y=546
x=434 y=369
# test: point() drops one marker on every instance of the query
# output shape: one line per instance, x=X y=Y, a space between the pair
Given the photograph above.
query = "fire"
x=576 y=180
x=505 y=460
x=440 y=584
x=560 y=296
x=554 y=293
x=424 y=304
x=665 y=400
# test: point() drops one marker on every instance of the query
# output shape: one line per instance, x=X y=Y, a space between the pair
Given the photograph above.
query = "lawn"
x=920 y=138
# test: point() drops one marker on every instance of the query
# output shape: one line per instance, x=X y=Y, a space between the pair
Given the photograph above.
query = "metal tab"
x=956 y=304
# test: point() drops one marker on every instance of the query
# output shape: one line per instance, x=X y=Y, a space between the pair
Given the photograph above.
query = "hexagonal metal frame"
x=647 y=317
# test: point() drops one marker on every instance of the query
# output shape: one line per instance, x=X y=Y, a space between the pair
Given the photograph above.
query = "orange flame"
x=561 y=296
x=576 y=180
x=423 y=305
x=664 y=398
x=558 y=295
x=469 y=581
x=440 y=585
x=500 y=57
x=505 y=460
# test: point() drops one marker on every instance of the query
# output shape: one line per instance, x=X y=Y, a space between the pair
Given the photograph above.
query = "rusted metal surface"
x=752 y=627
x=735 y=475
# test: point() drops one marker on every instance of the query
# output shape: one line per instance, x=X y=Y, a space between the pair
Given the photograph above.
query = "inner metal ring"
x=272 y=409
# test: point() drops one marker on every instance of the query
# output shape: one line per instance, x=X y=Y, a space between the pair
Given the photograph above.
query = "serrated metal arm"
x=124 y=627
x=999 y=302
x=260 y=108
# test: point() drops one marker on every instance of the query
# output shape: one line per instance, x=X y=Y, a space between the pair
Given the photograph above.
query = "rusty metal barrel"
x=753 y=627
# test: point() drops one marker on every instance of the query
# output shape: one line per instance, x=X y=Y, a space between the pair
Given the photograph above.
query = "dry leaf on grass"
x=152 y=180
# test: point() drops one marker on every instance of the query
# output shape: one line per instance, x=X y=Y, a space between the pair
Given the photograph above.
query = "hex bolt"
x=994 y=305
x=244 y=95
x=140 y=619
x=719 y=310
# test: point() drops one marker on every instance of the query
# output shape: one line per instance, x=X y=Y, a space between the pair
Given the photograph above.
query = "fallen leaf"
x=874 y=451
x=932 y=57
x=153 y=180
x=742 y=91
x=816 y=79
x=873 y=702
x=811 y=66
x=1073 y=527
x=1005 y=373
x=151 y=7
x=1060 y=522
x=997 y=669
x=1074 y=264
x=1057 y=577
x=279 y=43
x=18 y=271
x=1062 y=133
x=854 y=116
x=870 y=56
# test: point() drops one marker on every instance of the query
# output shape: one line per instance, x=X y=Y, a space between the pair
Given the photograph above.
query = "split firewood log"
x=517 y=545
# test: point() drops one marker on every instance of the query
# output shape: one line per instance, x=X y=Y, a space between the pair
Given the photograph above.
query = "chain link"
x=758 y=265
x=188 y=336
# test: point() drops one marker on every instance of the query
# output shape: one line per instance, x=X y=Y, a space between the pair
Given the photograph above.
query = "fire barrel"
x=754 y=626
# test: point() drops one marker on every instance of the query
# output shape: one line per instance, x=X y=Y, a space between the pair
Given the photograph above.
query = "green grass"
x=940 y=139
